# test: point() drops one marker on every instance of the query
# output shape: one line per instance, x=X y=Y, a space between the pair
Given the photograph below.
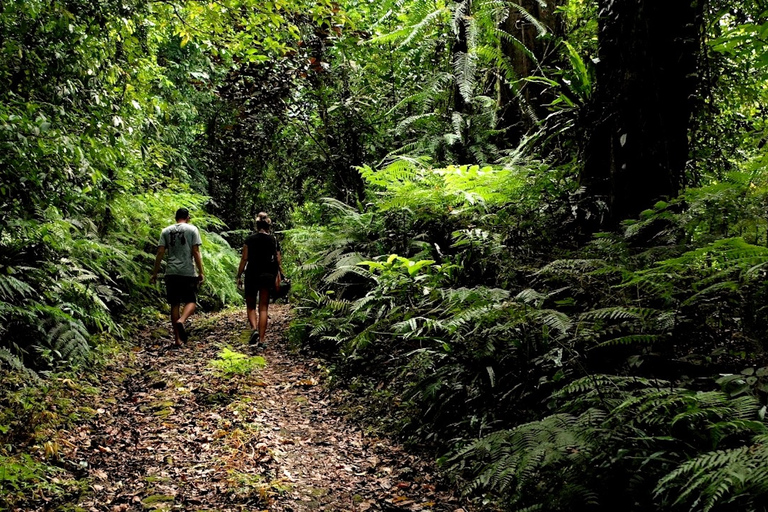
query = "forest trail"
x=172 y=433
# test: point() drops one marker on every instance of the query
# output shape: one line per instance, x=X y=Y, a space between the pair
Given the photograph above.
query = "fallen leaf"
x=100 y=474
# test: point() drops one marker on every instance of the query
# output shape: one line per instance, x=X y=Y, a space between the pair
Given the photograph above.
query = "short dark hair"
x=182 y=213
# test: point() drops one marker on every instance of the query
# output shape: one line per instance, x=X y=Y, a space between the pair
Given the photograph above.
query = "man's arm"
x=158 y=261
x=198 y=262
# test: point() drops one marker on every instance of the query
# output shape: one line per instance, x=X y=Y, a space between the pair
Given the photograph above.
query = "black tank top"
x=262 y=257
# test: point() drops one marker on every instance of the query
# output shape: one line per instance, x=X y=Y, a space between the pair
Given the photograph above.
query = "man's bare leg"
x=189 y=308
x=181 y=332
x=174 y=319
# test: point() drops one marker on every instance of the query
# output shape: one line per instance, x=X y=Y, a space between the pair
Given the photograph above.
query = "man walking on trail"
x=182 y=243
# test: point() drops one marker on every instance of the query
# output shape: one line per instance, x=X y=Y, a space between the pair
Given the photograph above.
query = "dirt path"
x=173 y=433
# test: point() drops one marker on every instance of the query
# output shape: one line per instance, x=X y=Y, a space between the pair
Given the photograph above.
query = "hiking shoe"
x=254 y=339
x=183 y=335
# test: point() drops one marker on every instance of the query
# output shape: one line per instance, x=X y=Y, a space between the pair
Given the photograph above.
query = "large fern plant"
x=663 y=446
x=584 y=375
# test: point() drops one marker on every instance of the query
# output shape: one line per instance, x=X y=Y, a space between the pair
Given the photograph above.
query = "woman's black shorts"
x=181 y=289
x=258 y=281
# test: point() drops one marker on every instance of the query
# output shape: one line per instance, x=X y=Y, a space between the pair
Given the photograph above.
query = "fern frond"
x=465 y=67
x=12 y=289
x=619 y=313
x=716 y=478
x=609 y=385
x=343 y=271
x=632 y=339
x=531 y=296
x=407 y=122
x=69 y=339
x=419 y=326
x=422 y=25
x=555 y=320
x=14 y=363
x=513 y=460
x=566 y=266
x=542 y=30
x=519 y=45
x=496 y=57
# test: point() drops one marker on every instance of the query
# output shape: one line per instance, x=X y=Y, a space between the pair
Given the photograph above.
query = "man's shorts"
x=181 y=289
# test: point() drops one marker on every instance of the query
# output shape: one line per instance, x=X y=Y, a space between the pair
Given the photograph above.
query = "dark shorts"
x=181 y=289
x=255 y=282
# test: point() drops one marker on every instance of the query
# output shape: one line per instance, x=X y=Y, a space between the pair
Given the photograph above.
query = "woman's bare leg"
x=250 y=307
x=263 y=315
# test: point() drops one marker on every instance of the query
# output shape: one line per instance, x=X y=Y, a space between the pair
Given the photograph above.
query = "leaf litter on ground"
x=176 y=432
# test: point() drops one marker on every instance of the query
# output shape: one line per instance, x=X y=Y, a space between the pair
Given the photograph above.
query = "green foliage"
x=587 y=378
x=617 y=428
x=623 y=371
x=720 y=479
x=95 y=129
x=232 y=363
x=33 y=413
x=83 y=277
x=405 y=184
x=22 y=475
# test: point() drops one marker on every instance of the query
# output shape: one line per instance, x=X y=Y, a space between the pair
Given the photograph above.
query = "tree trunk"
x=636 y=146
x=460 y=50
x=521 y=110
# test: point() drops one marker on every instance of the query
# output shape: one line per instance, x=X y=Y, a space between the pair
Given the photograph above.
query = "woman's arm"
x=243 y=261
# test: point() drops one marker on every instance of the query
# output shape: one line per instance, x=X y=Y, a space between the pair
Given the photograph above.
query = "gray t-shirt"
x=178 y=240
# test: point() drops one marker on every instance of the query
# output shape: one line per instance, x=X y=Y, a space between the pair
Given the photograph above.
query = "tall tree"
x=636 y=146
x=529 y=33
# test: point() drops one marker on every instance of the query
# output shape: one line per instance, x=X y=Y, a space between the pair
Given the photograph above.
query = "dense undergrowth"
x=96 y=124
x=63 y=281
x=68 y=294
x=33 y=419
x=96 y=127
x=551 y=365
x=625 y=373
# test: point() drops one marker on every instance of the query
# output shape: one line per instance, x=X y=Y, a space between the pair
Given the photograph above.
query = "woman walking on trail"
x=262 y=262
